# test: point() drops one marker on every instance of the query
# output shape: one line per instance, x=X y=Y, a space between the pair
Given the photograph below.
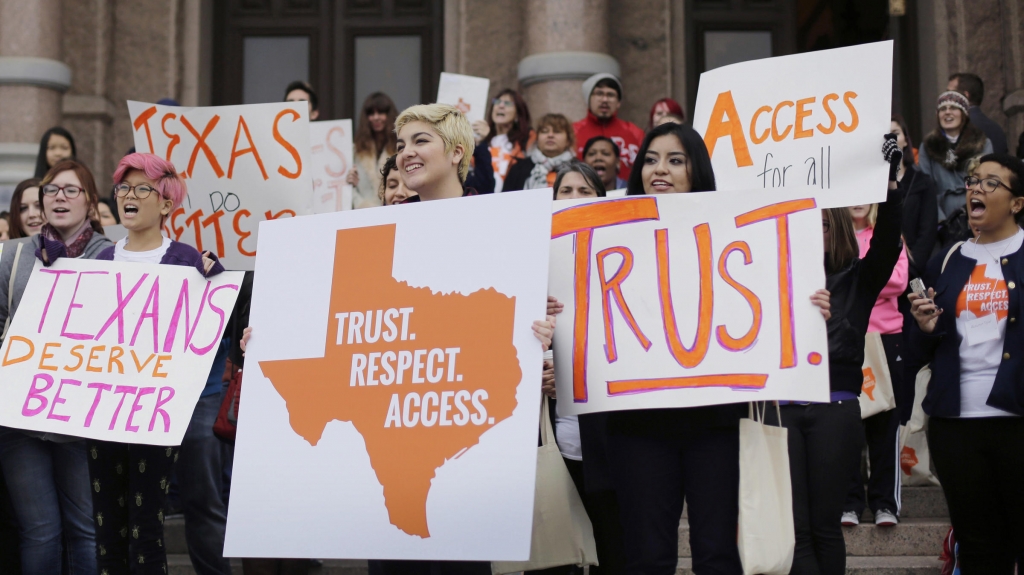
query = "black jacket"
x=854 y=290
x=992 y=130
x=920 y=211
x=481 y=177
x=942 y=346
x=518 y=173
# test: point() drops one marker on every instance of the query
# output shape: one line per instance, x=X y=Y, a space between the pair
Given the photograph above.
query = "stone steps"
x=925 y=565
x=910 y=548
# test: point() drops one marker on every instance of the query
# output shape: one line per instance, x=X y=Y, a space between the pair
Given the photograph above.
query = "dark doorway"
x=344 y=48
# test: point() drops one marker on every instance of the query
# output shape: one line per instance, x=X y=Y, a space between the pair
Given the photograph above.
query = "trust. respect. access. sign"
x=111 y=350
x=242 y=165
x=814 y=119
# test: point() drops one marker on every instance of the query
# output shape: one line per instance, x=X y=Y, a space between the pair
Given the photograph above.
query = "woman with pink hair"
x=130 y=481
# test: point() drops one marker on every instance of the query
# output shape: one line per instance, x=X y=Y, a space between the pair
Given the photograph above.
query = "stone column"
x=32 y=79
x=566 y=41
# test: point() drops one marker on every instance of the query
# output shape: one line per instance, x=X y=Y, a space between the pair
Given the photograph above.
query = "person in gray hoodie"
x=48 y=474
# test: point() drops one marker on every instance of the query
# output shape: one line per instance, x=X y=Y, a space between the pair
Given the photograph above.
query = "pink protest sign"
x=113 y=351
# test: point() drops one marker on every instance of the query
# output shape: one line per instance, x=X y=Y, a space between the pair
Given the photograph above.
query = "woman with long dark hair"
x=506 y=133
x=374 y=142
x=659 y=457
x=56 y=144
x=26 y=210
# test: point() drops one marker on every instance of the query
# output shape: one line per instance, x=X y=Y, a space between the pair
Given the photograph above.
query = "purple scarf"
x=78 y=242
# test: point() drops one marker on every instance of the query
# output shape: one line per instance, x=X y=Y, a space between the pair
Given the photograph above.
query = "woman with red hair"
x=662 y=108
x=130 y=481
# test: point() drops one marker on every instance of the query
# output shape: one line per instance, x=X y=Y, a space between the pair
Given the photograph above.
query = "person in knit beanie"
x=949 y=147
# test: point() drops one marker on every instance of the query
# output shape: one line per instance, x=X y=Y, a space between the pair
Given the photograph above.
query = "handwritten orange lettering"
x=47 y=355
x=725 y=121
x=780 y=213
x=801 y=113
x=776 y=135
x=242 y=235
x=724 y=339
x=583 y=220
x=753 y=126
x=215 y=220
x=831 y=115
x=288 y=147
x=143 y=122
x=7 y=354
x=174 y=137
x=202 y=145
x=854 y=119
x=235 y=152
x=613 y=287
x=684 y=356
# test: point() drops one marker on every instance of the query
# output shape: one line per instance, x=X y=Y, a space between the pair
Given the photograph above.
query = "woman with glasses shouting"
x=147 y=189
x=48 y=474
x=969 y=326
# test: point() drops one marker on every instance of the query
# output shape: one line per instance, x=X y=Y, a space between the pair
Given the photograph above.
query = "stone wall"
x=985 y=37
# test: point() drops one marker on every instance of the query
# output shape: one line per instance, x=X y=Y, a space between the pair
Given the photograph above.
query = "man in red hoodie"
x=604 y=97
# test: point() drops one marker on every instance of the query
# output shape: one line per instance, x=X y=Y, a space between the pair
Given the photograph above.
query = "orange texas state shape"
x=421 y=375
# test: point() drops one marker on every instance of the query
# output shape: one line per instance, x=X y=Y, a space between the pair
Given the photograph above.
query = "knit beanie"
x=953 y=99
x=591 y=82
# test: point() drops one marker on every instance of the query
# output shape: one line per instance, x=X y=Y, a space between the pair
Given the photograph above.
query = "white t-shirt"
x=150 y=257
x=567 y=435
x=501 y=157
x=981 y=311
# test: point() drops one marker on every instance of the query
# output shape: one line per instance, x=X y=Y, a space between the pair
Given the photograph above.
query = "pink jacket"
x=886 y=317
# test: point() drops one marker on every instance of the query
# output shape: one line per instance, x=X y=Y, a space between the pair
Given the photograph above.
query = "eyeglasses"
x=826 y=226
x=502 y=103
x=142 y=191
x=988 y=185
x=70 y=192
x=605 y=94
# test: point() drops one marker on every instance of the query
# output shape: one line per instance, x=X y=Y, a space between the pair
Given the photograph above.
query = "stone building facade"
x=76 y=62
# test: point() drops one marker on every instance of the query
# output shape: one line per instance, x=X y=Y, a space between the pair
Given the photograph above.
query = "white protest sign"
x=111 y=350
x=467 y=93
x=331 y=154
x=393 y=408
x=682 y=300
x=242 y=165
x=815 y=119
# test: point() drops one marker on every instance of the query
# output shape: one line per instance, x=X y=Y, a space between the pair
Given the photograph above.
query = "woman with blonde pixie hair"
x=434 y=146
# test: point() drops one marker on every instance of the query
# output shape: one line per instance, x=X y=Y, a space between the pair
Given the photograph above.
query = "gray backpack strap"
x=949 y=254
x=10 y=290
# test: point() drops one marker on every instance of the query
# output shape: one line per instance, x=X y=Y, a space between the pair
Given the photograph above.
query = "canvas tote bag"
x=562 y=533
x=876 y=394
x=915 y=461
x=766 y=535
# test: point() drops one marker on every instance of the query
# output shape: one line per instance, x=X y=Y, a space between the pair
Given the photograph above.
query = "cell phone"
x=917 y=286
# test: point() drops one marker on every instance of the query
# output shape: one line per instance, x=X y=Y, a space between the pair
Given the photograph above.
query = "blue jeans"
x=49 y=486
x=200 y=482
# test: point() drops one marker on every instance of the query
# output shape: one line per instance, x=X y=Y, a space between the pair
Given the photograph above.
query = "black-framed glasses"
x=70 y=192
x=988 y=185
x=142 y=191
x=503 y=103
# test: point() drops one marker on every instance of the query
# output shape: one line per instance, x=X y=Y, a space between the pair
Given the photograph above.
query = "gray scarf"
x=543 y=165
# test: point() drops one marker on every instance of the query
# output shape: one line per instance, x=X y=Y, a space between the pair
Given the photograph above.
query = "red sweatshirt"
x=626 y=135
